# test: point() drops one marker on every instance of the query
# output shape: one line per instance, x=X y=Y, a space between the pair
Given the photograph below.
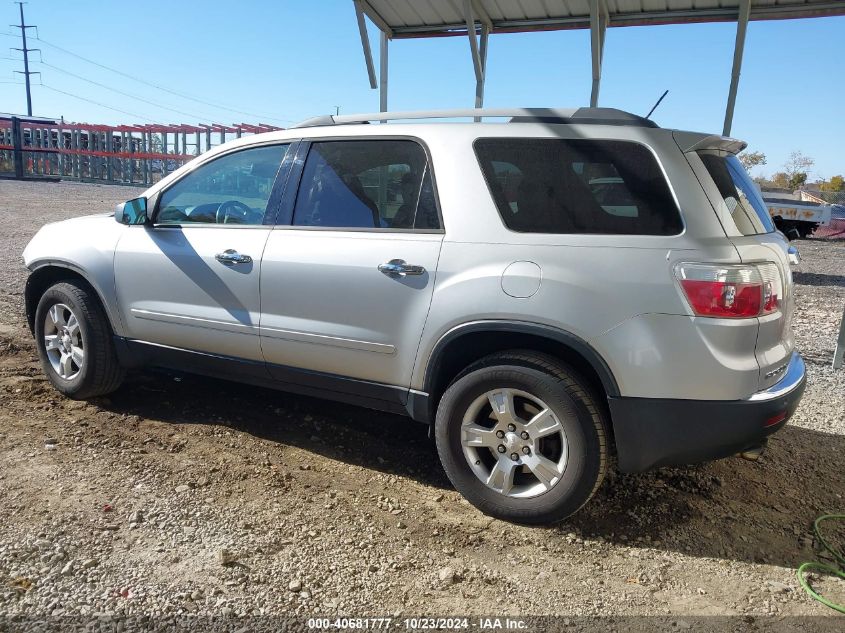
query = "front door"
x=347 y=286
x=190 y=279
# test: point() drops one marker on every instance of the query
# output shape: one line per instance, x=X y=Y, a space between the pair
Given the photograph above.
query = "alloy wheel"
x=514 y=443
x=63 y=341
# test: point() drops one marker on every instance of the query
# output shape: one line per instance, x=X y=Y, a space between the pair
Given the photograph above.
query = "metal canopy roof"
x=477 y=19
x=425 y=18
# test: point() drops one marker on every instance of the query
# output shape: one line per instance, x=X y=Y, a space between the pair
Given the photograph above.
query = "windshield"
x=746 y=205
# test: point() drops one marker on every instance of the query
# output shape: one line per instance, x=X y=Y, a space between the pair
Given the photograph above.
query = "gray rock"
x=225 y=556
x=447 y=576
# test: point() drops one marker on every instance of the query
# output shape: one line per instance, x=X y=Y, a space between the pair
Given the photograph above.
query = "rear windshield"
x=578 y=186
x=748 y=211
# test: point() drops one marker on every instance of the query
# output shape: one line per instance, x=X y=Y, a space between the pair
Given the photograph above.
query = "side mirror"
x=132 y=212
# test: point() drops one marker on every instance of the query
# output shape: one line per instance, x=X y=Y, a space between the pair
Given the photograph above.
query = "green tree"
x=796 y=171
x=797 y=180
x=752 y=159
x=798 y=162
x=836 y=183
x=780 y=179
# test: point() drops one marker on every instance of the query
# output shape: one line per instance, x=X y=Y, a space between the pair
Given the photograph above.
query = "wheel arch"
x=47 y=273
x=469 y=342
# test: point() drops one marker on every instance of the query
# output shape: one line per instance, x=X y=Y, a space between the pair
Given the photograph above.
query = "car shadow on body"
x=730 y=509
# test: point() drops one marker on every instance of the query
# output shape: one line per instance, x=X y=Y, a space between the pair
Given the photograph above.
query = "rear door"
x=347 y=278
x=747 y=222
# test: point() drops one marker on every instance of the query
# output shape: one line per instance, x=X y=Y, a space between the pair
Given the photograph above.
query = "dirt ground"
x=328 y=509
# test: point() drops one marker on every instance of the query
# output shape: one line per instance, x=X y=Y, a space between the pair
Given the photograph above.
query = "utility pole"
x=26 y=72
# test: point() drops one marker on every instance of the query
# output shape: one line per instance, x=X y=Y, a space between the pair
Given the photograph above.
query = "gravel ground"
x=183 y=495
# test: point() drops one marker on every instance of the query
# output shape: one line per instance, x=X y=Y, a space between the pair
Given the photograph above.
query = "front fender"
x=83 y=246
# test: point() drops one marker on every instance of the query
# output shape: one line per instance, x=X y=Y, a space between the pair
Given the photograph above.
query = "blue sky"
x=285 y=61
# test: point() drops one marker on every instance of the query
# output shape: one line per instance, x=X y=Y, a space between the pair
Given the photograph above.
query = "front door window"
x=232 y=189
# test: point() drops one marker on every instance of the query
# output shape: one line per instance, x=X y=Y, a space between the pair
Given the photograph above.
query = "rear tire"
x=547 y=471
x=74 y=341
x=806 y=229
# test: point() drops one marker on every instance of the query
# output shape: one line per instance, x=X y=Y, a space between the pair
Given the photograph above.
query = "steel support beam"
x=478 y=50
x=365 y=44
x=483 y=16
x=17 y=144
x=376 y=19
x=383 y=67
x=739 y=47
x=839 y=352
x=473 y=43
x=479 y=85
x=598 y=27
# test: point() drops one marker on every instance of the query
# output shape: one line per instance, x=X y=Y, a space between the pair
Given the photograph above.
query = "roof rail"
x=598 y=116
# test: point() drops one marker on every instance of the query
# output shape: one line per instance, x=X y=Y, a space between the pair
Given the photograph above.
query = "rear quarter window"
x=577 y=186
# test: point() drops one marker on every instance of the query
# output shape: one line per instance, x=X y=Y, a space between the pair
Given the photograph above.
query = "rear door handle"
x=399 y=268
x=231 y=256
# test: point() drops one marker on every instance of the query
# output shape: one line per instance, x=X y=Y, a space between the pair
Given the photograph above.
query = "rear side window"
x=746 y=205
x=375 y=184
x=578 y=186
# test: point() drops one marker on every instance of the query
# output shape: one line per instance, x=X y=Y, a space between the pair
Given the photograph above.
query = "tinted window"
x=232 y=189
x=746 y=205
x=366 y=184
x=578 y=186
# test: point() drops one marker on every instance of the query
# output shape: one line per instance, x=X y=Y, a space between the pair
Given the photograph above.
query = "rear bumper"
x=652 y=432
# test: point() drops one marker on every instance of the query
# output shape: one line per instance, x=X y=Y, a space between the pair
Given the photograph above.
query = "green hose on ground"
x=838 y=556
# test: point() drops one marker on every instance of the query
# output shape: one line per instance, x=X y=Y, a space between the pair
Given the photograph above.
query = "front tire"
x=74 y=341
x=522 y=438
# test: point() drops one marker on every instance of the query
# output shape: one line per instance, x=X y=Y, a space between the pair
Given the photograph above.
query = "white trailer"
x=797 y=215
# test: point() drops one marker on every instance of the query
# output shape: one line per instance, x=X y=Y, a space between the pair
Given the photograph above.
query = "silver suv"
x=546 y=290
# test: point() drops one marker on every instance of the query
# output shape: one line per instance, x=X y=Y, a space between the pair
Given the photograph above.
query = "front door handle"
x=399 y=268
x=231 y=256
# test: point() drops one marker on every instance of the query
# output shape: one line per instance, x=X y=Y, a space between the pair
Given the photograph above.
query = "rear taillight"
x=731 y=291
x=772 y=288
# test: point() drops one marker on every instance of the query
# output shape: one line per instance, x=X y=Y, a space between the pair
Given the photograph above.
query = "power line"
x=102 y=105
x=120 y=92
x=162 y=88
x=26 y=72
